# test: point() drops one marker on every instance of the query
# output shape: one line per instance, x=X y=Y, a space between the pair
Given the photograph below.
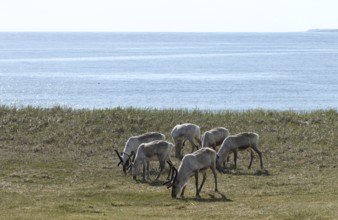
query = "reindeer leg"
x=196 y=183
x=215 y=178
x=148 y=172
x=203 y=180
x=198 y=141
x=213 y=146
x=193 y=145
x=251 y=158
x=261 y=159
x=259 y=154
x=162 y=164
x=144 y=171
x=182 y=192
x=178 y=149
x=170 y=170
x=235 y=158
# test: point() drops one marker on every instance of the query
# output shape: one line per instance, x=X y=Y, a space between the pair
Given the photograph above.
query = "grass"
x=59 y=163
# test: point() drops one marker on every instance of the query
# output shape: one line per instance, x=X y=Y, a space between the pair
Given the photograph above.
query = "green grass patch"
x=59 y=163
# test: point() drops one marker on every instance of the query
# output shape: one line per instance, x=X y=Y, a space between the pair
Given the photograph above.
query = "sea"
x=195 y=71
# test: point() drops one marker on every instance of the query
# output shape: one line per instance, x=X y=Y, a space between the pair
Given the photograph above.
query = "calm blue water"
x=209 y=71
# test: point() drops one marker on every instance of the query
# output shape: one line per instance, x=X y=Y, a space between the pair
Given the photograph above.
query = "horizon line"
x=84 y=31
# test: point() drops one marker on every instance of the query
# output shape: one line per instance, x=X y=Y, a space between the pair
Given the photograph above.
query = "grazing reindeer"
x=234 y=143
x=214 y=137
x=132 y=145
x=182 y=132
x=152 y=151
x=191 y=165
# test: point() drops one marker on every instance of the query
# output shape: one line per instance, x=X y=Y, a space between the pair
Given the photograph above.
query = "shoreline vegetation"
x=60 y=163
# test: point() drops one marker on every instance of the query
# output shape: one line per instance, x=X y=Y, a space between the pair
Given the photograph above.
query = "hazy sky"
x=167 y=15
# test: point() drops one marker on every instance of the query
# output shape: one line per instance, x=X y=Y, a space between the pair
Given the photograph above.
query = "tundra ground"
x=60 y=163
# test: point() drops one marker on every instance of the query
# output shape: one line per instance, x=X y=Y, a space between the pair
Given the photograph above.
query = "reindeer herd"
x=140 y=150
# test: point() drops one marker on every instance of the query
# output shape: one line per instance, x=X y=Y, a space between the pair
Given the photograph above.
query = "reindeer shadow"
x=157 y=183
x=242 y=172
x=152 y=181
x=212 y=198
x=141 y=181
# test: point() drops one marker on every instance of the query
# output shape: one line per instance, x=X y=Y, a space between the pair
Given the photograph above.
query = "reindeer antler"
x=173 y=175
x=121 y=160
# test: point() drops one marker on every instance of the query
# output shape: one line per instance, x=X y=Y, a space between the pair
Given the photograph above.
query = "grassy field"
x=59 y=163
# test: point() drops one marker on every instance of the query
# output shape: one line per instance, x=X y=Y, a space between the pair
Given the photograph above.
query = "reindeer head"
x=173 y=182
x=134 y=166
x=125 y=160
x=177 y=187
x=218 y=163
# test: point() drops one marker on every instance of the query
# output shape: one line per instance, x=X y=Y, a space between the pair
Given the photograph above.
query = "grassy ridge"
x=59 y=163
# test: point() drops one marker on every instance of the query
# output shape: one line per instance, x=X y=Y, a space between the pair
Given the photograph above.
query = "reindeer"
x=191 y=165
x=183 y=132
x=214 y=137
x=234 y=143
x=152 y=151
x=132 y=145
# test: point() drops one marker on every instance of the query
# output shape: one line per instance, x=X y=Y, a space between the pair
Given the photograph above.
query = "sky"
x=168 y=15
